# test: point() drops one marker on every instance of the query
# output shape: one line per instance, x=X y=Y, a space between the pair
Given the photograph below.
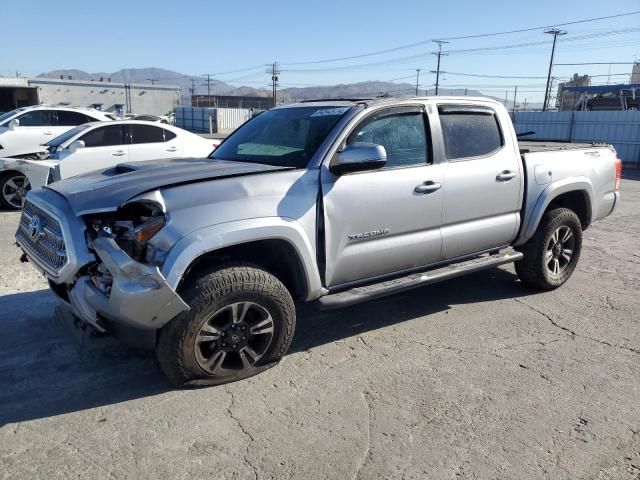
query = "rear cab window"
x=469 y=131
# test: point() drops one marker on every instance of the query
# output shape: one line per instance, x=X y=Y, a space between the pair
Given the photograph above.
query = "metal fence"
x=621 y=129
x=211 y=120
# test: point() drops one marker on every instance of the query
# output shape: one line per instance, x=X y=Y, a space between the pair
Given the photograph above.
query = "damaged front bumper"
x=139 y=296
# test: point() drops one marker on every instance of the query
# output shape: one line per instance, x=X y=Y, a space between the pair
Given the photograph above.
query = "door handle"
x=48 y=132
x=119 y=153
x=506 y=175
x=427 y=187
x=172 y=149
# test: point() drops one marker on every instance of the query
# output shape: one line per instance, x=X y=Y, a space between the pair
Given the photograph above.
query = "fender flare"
x=553 y=191
x=205 y=240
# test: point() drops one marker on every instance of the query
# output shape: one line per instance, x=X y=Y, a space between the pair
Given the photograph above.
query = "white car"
x=24 y=130
x=97 y=146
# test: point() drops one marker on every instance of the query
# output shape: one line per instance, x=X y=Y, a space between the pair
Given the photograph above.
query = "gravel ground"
x=473 y=378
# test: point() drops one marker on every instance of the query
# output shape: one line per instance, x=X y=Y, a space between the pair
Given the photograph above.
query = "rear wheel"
x=14 y=187
x=551 y=255
x=240 y=323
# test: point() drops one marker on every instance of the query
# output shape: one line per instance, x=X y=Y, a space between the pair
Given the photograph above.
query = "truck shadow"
x=317 y=327
x=43 y=375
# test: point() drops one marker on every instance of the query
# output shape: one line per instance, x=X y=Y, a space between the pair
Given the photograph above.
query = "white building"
x=107 y=96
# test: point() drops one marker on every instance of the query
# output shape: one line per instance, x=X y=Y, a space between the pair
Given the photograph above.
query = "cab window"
x=402 y=134
x=469 y=131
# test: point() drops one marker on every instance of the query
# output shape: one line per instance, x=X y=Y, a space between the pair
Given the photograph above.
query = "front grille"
x=39 y=233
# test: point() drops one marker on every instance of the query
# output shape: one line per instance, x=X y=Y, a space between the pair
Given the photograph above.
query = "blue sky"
x=197 y=36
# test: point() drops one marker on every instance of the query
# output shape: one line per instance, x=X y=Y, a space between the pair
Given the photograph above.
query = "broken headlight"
x=132 y=226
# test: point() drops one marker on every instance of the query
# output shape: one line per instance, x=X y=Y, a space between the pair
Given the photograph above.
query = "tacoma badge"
x=366 y=235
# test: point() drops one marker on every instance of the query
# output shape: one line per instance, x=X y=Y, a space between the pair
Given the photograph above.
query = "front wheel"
x=240 y=323
x=551 y=255
x=14 y=187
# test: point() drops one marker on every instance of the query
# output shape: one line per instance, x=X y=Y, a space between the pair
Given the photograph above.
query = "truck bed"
x=533 y=146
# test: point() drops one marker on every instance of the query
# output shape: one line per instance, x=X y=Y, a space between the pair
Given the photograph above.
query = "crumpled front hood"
x=108 y=189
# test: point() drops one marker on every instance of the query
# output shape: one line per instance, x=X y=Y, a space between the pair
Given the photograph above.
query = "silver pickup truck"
x=331 y=201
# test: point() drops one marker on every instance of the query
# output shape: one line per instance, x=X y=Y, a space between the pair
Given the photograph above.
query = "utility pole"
x=274 y=71
x=417 y=80
x=439 y=54
x=555 y=32
x=208 y=85
x=192 y=91
x=515 y=93
x=152 y=80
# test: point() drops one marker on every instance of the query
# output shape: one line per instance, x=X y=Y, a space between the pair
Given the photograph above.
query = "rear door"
x=105 y=146
x=384 y=221
x=483 y=180
x=149 y=142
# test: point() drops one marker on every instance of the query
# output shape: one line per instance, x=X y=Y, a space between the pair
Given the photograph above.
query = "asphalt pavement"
x=474 y=378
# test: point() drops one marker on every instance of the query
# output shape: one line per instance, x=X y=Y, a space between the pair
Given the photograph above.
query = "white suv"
x=23 y=130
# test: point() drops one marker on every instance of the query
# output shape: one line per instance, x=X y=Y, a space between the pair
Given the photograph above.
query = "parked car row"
x=46 y=153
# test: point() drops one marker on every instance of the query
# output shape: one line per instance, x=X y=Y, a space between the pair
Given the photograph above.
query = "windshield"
x=10 y=114
x=54 y=143
x=286 y=137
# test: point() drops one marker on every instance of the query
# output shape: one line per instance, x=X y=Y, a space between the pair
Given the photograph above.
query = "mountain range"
x=185 y=82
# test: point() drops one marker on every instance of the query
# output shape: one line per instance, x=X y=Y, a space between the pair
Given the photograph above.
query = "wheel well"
x=578 y=201
x=6 y=173
x=276 y=256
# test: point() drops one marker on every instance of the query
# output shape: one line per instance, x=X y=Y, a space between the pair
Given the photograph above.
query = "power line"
x=424 y=42
x=255 y=67
x=599 y=63
x=492 y=49
x=531 y=29
x=488 y=76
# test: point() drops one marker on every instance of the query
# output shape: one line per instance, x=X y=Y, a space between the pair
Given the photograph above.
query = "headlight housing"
x=132 y=227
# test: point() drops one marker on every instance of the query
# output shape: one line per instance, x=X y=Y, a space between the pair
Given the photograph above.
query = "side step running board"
x=415 y=280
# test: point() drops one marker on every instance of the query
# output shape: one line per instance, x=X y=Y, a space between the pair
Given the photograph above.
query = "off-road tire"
x=532 y=270
x=208 y=293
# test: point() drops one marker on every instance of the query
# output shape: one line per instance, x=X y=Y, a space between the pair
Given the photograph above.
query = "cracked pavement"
x=473 y=378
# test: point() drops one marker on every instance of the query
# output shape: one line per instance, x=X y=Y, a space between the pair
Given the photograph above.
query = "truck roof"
x=326 y=102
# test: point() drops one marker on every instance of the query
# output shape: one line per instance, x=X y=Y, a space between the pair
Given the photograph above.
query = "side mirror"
x=13 y=124
x=75 y=146
x=359 y=157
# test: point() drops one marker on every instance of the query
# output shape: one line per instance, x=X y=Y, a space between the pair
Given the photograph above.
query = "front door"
x=483 y=181
x=388 y=220
x=105 y=146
